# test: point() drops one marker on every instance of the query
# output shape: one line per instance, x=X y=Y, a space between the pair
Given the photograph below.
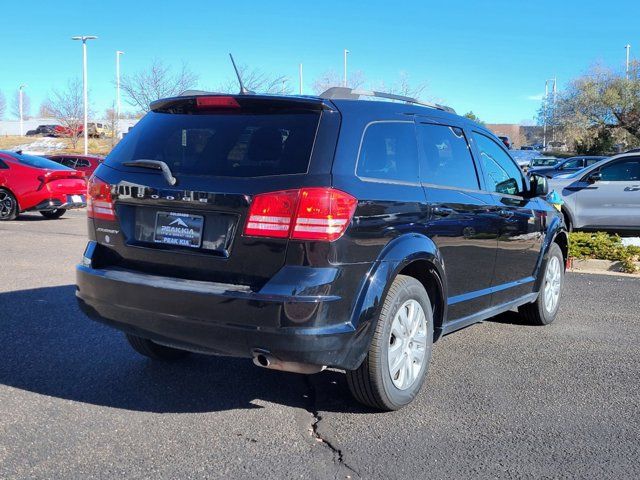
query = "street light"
x=118 y=53
x=84 y=39
x=20 y=102
x=345 y=67
x=627 y=47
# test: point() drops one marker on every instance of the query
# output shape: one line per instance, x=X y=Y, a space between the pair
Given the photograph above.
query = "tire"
x=53 y=214
x=153 y=350
x=8 y=205
x=541 y=312
x=375 y=383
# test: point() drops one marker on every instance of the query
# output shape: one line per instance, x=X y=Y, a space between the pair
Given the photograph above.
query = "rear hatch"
x=221 y=151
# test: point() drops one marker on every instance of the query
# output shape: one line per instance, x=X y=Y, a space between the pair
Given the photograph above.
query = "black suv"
x=313 y=232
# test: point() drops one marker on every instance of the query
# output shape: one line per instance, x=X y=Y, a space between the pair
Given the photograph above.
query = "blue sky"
x=489 y=57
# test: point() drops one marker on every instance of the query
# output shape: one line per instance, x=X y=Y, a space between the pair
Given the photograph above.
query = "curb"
x=602 y=267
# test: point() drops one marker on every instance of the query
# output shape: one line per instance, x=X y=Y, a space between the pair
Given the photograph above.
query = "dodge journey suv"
x=314 y=232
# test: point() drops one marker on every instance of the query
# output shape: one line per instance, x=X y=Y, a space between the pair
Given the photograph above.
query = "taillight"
x=216 y=102
x=99 y=200
x=271 y=214
x=307 y=214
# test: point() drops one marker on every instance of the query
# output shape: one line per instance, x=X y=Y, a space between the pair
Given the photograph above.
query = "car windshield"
x=38 y=162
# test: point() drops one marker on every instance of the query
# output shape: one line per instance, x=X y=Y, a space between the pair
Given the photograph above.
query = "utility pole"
x=344 y=82
x=20 y=107
x=627 y=47
x=300 y=76
x=84 y=39
x=118 y=53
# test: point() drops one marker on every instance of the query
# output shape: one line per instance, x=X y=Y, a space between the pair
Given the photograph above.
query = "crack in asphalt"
x=311 y=407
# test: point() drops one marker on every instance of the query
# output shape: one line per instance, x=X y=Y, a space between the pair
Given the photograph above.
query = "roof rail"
x=346 y=93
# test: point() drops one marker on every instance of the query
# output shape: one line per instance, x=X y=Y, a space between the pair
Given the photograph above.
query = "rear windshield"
x=39 y=162
x=228 y=145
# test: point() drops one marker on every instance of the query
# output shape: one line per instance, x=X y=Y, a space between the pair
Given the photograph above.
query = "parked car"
x=523 y=157
x=44 y=130
x=543 y=162
x=36 y=183
x=97 y=130
x=313 y=232
x=605 y=195
x=570 y=165
x=83 y=163
x=65 y=131
x=506 y=140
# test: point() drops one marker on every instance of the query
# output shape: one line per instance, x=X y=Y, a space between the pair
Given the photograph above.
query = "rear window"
x=227 y=145
x=38 y=162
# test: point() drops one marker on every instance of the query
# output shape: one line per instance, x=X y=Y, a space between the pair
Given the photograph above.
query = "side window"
x=501 y=174
x=447 y=159
x=591 y=161
x=575 y=163
x=3 y=166
x=389 y=152
x=625 y=170
x=81 y=162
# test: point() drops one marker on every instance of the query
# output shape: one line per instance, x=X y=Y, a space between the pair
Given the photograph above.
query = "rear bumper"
x=215 y=318
x=65 y=202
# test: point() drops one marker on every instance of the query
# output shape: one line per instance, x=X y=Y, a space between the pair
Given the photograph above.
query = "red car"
x=62 y=131
x=36 y=183
x=83 y=163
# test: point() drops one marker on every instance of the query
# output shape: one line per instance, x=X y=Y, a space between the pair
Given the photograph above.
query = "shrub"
x=603 y=246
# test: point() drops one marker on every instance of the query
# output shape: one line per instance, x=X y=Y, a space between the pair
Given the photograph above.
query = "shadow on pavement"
x=49 y=347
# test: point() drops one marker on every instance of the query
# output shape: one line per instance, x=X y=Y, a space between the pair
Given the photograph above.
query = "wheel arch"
x=413 y=255
x=4 y=187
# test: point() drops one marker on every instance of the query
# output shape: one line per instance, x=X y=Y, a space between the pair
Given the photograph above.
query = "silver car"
x=605 y=195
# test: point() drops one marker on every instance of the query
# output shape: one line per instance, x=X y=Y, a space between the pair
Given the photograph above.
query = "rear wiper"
x=155 y=165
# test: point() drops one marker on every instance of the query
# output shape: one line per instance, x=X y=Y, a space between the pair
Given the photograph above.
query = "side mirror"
x=538 y=185
x=594 y=177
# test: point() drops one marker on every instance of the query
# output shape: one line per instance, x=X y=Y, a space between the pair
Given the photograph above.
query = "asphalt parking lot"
x=501 y=400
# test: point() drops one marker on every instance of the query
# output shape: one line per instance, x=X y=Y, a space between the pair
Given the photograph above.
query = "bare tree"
x=331 y=79
x=3 y=105
x=111 y=118
x=154 y=82
x=26 y=105
x=68 y=108
x=257 y=81
x=45 y=109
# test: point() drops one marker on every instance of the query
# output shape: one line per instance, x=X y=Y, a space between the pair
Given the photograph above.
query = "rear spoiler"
x=194 y=101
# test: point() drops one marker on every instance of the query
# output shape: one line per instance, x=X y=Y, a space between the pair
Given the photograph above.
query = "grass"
x=603 y=246
x=97 y=146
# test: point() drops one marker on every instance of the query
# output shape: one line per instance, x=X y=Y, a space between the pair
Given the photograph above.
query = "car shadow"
x=36 y=217
x=48 y=346
x=509 y=317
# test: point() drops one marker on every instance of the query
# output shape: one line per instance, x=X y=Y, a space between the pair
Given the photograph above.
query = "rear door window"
x=228 y=145
x=446 y=157
x=389 y=152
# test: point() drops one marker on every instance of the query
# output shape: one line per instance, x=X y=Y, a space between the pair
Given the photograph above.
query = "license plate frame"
x=178 y=229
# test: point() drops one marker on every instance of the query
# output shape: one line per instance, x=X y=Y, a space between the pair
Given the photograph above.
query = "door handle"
x=443 y=211
x=505 y=213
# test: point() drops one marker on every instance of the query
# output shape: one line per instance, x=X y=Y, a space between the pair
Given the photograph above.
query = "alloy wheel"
x=407 y=344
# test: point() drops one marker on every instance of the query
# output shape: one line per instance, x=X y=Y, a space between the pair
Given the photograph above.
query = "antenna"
x=243 y=90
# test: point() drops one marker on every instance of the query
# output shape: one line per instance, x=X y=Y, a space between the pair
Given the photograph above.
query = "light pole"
x=84 y=39
x=118 y=53
x=627 y=47
x=20 y=102
x=546 y=103
x=300 y=76
x=345 y=67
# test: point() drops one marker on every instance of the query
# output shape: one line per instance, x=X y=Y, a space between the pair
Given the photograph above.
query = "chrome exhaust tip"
x=264 y=359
